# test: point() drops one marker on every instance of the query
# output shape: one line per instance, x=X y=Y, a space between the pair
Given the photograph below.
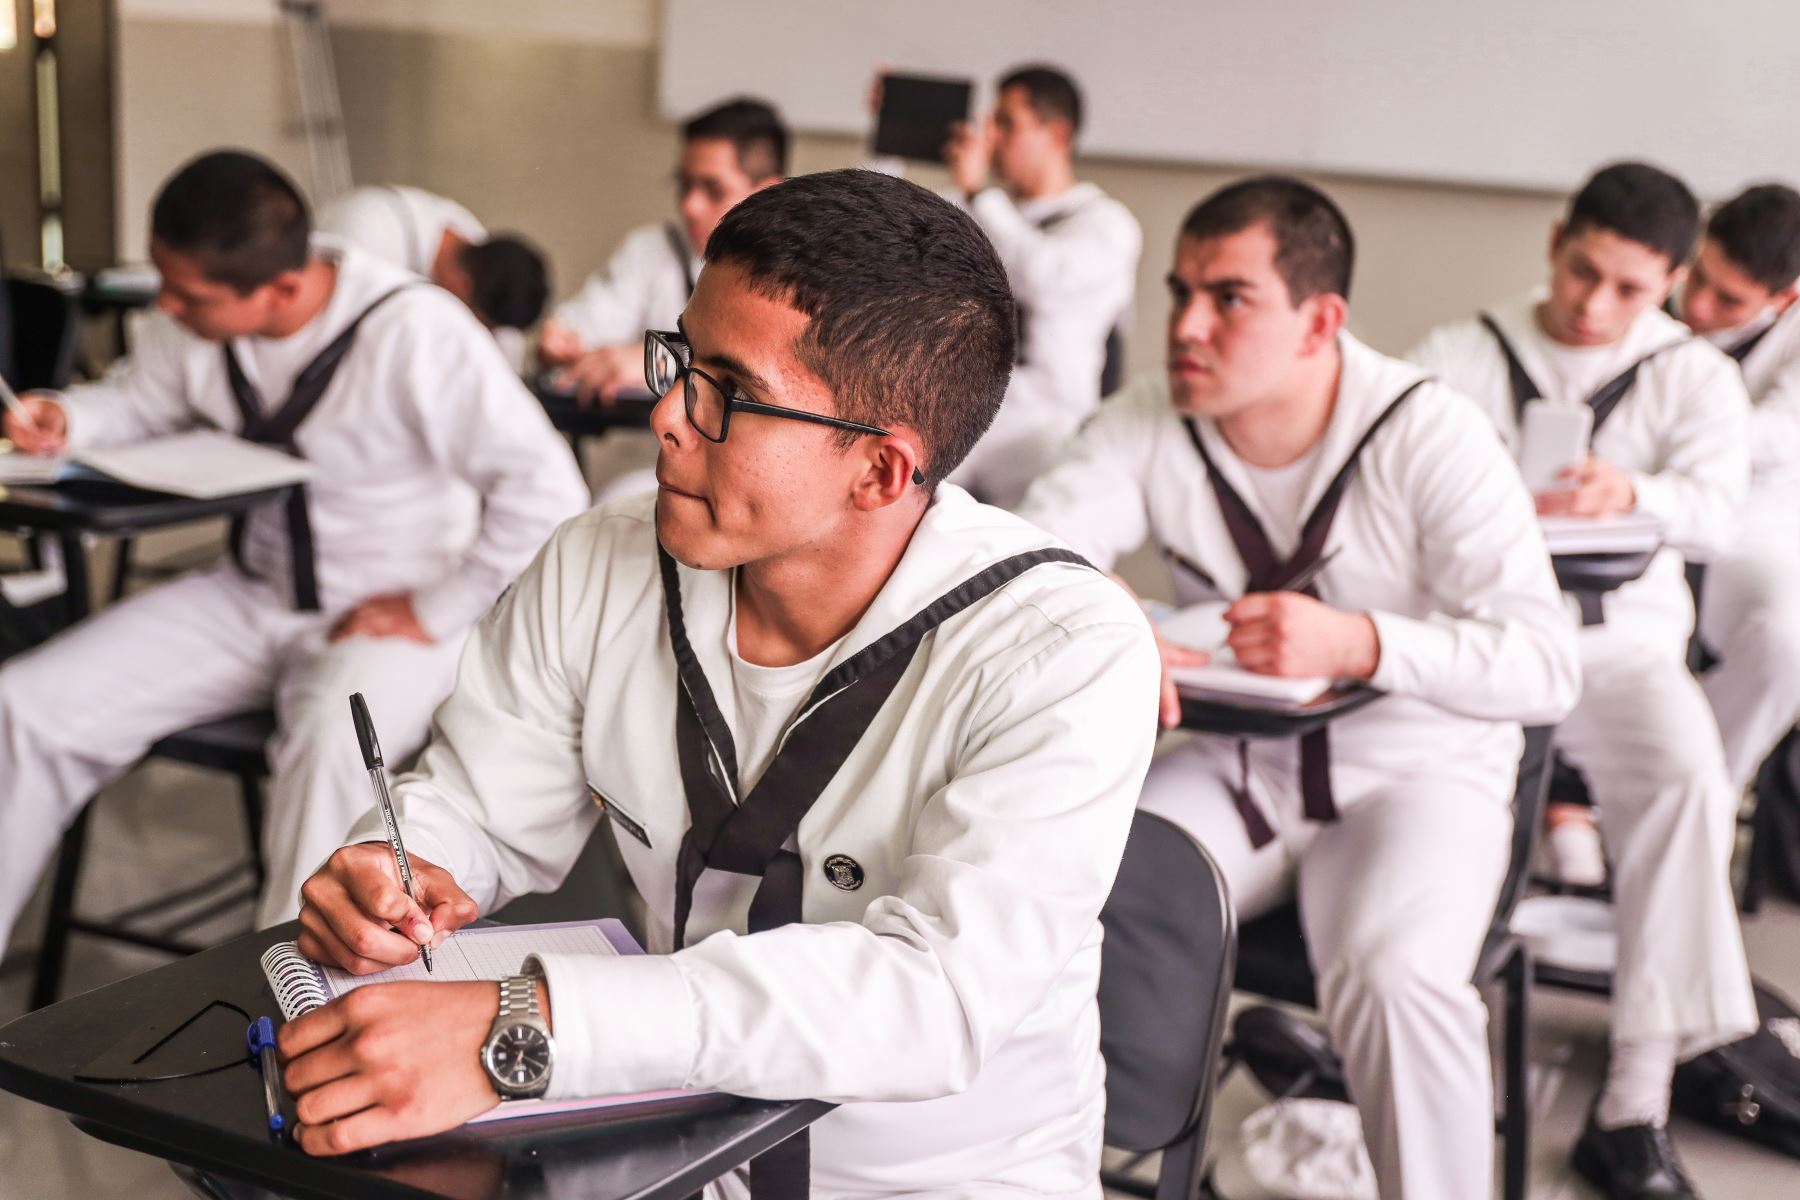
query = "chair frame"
x=162 y=922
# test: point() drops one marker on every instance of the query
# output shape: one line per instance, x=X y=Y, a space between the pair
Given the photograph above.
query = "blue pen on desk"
x=371 y=753
x=261 y=1039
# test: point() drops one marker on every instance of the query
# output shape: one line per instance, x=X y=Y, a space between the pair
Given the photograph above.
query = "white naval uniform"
x=1072 y=261
x=1643 y=735
x=438 y=476
x=1438 y=546
x=644 y=286
x=1750 y=605
x=401 y=225
x=948 y=1003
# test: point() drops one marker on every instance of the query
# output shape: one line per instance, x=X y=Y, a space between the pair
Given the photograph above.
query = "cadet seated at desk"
x=438 y=477
x=502 y=278
x=1739 y=295
x=595 y=337
x=1670 y=439
x=1273 y=438
x=934 y=795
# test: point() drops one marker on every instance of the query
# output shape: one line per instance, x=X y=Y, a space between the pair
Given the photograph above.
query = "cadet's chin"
x=687 y=535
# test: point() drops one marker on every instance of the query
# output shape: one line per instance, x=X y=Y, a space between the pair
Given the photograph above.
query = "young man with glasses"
x=870 y=748
x=592 y=338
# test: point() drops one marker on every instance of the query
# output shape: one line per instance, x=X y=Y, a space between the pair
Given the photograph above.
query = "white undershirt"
x=767 y=700
x=1282 y=490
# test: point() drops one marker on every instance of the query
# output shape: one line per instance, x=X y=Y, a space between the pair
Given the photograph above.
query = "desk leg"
x=55 y=951
x=76 y=601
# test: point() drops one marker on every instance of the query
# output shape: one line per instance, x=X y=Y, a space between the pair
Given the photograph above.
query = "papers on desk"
x=203 y=464
x=1202 y=627
x=16 y=468
x=1630 y=533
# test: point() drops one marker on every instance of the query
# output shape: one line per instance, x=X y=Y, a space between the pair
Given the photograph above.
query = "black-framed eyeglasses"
x=668 y=359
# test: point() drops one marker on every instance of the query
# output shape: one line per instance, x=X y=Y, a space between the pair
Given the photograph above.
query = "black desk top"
x=217 y=1122
x=1237 y=718
x=99 y=506
x=1600 y=572
x=570 y=416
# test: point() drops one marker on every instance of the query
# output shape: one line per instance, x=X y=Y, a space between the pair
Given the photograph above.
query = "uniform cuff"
x=622 y=1024
x=1408 y=650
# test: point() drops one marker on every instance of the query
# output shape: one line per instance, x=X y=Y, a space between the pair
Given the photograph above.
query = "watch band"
x=518 y=994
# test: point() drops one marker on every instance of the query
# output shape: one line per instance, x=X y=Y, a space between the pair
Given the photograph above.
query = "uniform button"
x=843 y=872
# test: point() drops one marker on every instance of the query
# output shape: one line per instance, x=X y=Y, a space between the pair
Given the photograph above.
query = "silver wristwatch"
x=519 y=1053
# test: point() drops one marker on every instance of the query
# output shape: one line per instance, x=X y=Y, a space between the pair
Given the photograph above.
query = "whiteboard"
x=1514 y=93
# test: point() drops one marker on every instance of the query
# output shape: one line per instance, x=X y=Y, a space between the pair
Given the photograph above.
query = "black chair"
x=1272 y=959
x=45 y=329
x=234 y=745
x=1165 y=979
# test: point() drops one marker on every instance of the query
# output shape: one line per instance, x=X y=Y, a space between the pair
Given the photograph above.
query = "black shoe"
x=1633 y=1162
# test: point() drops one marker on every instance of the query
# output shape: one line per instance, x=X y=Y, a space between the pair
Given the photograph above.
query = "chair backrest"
x=45 y=327
x=1530 y=794
x=1165 y=976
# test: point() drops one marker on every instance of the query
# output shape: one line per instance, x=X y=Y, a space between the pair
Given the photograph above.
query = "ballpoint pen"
x=1306 y=576
x=261 y=1039
x=371 y=753
x=10 y=399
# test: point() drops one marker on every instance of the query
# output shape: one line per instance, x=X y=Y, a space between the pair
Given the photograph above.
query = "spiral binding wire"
x=295 y=980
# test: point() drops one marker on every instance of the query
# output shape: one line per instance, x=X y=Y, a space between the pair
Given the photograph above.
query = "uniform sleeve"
x=1093 y=498
x=1008 y=867
x=145 y=395
x=1501 y=645
x=611 y=307
x=479 y=424
x=498 y=797
x=1775 y=422
x=1700 y=485
x=1084 y=252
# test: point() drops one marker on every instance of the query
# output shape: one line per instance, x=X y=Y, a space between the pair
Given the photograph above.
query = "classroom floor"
x=165 y=818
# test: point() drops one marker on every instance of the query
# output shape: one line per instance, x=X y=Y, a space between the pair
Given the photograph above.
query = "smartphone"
x=1552 y=438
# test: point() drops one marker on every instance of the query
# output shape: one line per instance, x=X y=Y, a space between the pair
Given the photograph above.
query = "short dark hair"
x=911 y=318
x=1759 y=231
x=1642 y=203
x=508 y=281
x=1314 y=248
x=237 y=214
x=1053 y=95
x=754 y=130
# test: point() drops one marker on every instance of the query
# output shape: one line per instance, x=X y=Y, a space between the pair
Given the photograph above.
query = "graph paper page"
x=489 y=953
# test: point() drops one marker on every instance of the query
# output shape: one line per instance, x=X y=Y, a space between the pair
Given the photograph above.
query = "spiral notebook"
x=487 y=952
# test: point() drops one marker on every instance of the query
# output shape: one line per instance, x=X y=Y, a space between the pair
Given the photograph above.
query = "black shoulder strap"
x=277 y=428
x=1524 y=387
x=678 y=247
x=1745 y=348
x=1607 y=396
x=1247 y=533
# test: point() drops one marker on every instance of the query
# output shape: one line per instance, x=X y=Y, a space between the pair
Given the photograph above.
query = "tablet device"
x=917 y=112
x=1552 y=438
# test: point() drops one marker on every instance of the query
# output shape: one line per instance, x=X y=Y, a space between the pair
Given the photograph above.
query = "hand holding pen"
x=371 y=752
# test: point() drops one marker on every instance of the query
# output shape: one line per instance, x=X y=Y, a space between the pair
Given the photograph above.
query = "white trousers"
x=78 y=711
x=1645 y=740
x=1396 y=897
x=1750 y=618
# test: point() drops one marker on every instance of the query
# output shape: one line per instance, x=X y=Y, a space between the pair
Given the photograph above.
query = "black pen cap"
x=365 y=731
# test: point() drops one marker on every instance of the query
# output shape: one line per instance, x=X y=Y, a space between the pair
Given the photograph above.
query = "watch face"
x=519 y=1058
